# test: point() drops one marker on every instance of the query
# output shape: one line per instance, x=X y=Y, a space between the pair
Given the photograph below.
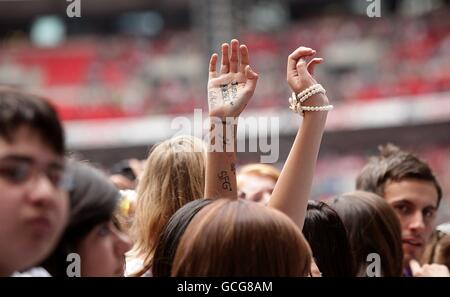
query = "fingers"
x=238 y=60
x=249 y=73
x=234 y=59
x=245 y=60
x=293 y=59
x=415 y=267
x=315 y=271
x=302 y=52
x=212 y=65
x=312 y=64
x=301 y=65
x=252 y=79
x=225 y=66
x=427 y=270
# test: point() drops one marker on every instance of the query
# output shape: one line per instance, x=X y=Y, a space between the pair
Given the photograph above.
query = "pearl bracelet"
x=317 y=108
x=314 y=89
x=295 y=101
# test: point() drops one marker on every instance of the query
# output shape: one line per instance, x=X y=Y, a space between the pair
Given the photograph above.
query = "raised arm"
x=229 y=91
x=293 y=187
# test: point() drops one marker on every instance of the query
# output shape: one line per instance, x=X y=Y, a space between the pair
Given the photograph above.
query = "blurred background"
x=122 y=71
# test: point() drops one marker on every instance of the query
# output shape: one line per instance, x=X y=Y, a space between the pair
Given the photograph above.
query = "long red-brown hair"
x=241 y=238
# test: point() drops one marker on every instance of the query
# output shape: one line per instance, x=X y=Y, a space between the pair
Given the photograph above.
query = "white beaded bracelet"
x=304 y=93
x=318 y=89
x=317 y=108
x=295 y=101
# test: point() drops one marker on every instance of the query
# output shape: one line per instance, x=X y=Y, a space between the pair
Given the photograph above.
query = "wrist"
x=228 y=121
x=316 y=98
x=222 y=135
x=319 y=99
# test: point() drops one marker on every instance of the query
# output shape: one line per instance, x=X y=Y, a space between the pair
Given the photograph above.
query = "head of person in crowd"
x=327 y=237
x=125 y=174
x=33 y=204
x=256 y=182
x=241 y=238
x=374 y=233
x=94 y=231
x=174 y=174
x=170 y=237
x=438 y=249
x=409 y=186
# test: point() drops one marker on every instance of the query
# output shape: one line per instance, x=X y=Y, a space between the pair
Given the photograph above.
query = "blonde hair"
x=240 y=238
x=257 y=169
x=174 y=174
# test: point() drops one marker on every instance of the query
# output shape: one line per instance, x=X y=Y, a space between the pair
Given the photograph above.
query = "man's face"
x=33 y=209
x=415 y=203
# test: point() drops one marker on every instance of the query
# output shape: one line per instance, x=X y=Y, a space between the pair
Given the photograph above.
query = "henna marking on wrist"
x=225 y=179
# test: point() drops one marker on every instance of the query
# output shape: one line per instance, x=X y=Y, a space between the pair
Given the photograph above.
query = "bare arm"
x=293 y=187
x=228 y=94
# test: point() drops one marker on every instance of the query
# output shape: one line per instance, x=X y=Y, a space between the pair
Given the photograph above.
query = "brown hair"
x=328 y=239
x=394 y=165
x=241 y=238
x=174 y=174
x=18 y=109
x=93 y=200
x=373 y=227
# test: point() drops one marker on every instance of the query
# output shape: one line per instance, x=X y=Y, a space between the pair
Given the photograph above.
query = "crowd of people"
x=120 y=76
x=189 y=211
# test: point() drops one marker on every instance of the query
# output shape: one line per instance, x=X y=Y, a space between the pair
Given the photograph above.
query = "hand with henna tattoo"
x=230 y=90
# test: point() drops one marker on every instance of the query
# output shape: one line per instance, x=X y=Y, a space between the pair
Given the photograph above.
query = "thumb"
x=416 y=269
x=252 y=78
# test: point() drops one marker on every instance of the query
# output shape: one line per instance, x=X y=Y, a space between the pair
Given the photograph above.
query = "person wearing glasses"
x=33 y=199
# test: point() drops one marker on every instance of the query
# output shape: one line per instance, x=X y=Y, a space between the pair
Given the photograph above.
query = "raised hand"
x=300 y=73
x=230 y=90
x=428 y=270
x=293 y=187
